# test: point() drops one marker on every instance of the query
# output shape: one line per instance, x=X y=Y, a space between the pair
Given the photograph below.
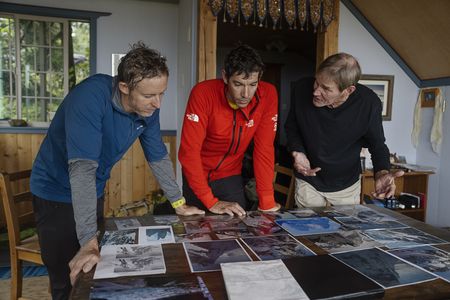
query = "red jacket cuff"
x=208 y=200
x=266 y=202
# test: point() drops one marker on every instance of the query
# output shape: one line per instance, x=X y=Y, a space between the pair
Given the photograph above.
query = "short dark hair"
x=342 y=68
x=139 y=63
x=243 y=60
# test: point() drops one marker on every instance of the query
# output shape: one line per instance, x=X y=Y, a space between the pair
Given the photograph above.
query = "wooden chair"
x=286 y=190
x=28 y=249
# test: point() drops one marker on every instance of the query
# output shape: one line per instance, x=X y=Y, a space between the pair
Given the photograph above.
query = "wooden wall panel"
x=131 y=178
x=207 y=43
x=327 y=42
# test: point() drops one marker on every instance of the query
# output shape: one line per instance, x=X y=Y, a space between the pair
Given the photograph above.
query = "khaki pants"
x=307 y=196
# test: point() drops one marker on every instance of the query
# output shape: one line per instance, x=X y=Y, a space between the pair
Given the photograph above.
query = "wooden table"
x=177 y=264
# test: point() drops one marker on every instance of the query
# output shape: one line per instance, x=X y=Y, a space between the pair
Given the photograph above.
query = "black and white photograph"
x=233 y=234
x=403 y=237
x=278 y=215
x=303 y=213
x=307 y=226
x=261 y=280
x=361 y=212
x=173 y=287
x=207 y=256
x=156 y=235
x=117 y=261
x=276 y=247
x=166 y=219
x=429 y=258
x=384 y=268
x=119 y=237
x=357 y=223
x=343 y=241
x=130 y=223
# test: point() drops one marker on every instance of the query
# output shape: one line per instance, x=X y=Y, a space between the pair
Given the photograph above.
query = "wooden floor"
x=34 y=288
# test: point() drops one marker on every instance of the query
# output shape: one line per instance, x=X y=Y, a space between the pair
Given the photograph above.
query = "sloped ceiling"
x=416 y=33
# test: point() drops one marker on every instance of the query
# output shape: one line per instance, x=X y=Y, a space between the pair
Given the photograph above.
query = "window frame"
x=43 y=13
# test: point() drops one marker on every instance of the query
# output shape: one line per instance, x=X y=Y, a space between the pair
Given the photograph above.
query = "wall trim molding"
x=46 y=11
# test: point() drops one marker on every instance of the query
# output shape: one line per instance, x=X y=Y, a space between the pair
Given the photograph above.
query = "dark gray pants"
x=230 y=189
x=58 y=240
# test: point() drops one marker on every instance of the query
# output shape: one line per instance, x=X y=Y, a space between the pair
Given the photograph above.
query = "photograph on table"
x=119 y=237
x=170 y=287
x=233 y=234
x=403 y=237
x=303 y=213
x=118 y=261
x=343 y=241
x=357 y=223
x=232 y=224
x=361 y=212
x=207 y=256
x=196 y=226
x=260 y=224
x=278 y=215
x=129 y=223
x=383 y=268
x=429 y=258
x=194 y=237
x=156 y=235
x=276 y=247
x=166 y=219
x=256 y=218
x=307 y=226
x=262 y=280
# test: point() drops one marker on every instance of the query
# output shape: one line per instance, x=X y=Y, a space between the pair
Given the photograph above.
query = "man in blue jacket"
x=93 y=128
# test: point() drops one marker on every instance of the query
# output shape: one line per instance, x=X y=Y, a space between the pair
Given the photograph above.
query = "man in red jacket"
x=222 y=117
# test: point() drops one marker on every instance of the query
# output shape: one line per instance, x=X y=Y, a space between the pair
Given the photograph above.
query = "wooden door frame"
x=327 y=42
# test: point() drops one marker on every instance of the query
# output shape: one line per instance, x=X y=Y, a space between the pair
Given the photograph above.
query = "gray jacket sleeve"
x=163 y=171
x=82 y=175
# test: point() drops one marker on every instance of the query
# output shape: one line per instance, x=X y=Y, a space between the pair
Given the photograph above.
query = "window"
x=42 y=58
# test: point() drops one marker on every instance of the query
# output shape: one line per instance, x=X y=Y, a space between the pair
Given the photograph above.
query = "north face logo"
x=192 y=117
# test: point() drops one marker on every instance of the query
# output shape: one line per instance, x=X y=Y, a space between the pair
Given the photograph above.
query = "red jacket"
x=215 y=136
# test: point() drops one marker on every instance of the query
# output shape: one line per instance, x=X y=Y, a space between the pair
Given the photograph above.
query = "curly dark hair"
x=139 y=63
x=243 y=59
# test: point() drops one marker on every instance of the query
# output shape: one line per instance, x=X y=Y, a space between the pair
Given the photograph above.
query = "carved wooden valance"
x=302 y=14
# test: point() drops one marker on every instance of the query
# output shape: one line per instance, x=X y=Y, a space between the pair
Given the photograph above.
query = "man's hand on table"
x=230 y=208
x=187 y=210
x=277 y=207
x=86 y=258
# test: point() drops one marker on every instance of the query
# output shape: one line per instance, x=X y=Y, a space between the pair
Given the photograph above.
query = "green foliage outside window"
x=42 y=65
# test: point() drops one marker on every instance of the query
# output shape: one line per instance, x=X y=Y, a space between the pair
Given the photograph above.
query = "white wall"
x=438 y=208
x=187 y=23
x=130 y=21
x=443 y=209
x=356 y=40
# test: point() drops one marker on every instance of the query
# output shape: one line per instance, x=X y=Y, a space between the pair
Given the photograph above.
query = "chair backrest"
x=17 y=210
x=286 y=190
